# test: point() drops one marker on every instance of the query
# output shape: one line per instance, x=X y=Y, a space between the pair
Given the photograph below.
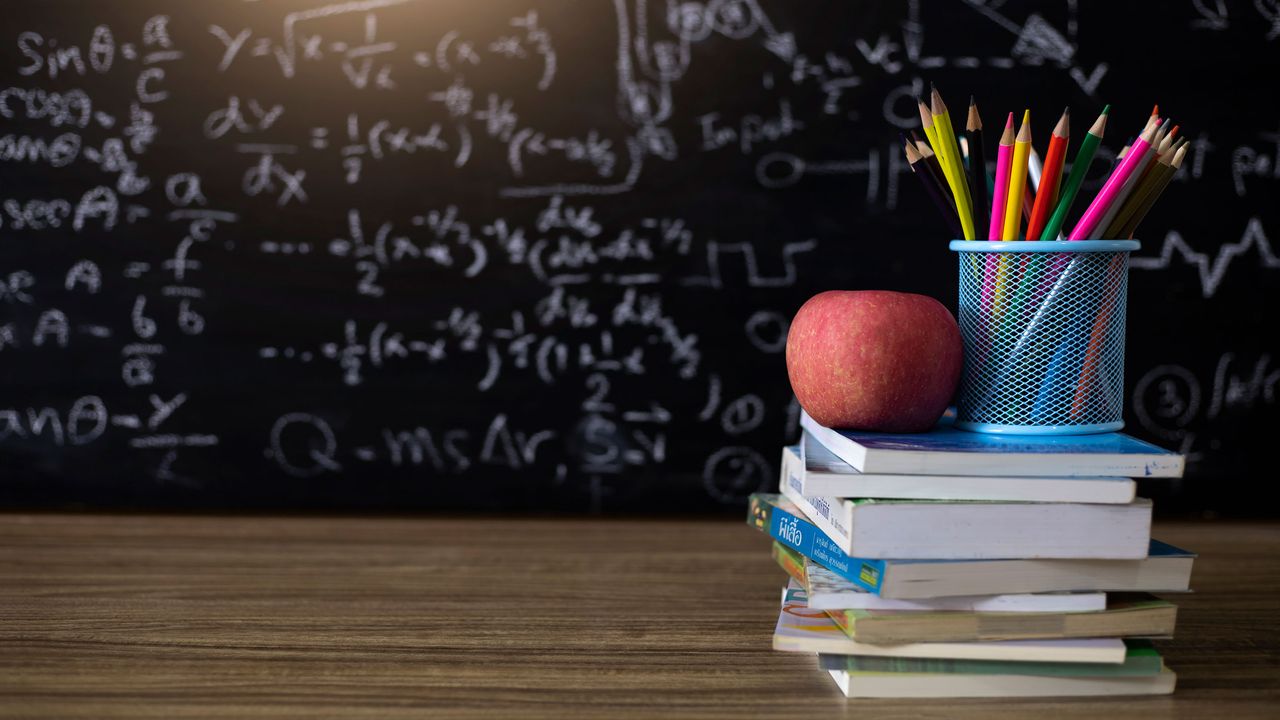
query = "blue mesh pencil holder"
x=1043 y=330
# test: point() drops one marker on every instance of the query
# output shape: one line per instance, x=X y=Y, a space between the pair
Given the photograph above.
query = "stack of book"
x=956 y=564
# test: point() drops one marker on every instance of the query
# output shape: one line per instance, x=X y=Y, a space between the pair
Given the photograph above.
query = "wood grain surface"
x=105 y=616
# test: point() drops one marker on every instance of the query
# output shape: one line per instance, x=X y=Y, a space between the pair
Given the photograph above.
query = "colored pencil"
x=932 y=166
x=1112 y=187
x=1126 y=190
x=1131 y=226
x=1000 y=194
x=1051 y=178
x=931 y=187
x=1017 y=180
x=1139 y=161
x=1150 y=180
x=977 y=168
x=1162 y=132
x=1079 y=168
x=949 y=153
x=926 y=122
x=1163 y=146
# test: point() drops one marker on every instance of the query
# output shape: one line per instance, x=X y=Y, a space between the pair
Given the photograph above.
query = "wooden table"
x=195 y=616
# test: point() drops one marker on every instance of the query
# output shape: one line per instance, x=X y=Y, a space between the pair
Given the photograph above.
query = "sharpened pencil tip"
x=1026 y=116
x=1067 y=111
x=973 y=122
x=1009 y=123
x=1106 y=109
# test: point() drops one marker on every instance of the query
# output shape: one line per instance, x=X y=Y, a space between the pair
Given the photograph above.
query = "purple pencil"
x=1111 y=189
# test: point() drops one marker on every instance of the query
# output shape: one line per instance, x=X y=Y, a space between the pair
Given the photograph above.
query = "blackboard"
x=542 y=255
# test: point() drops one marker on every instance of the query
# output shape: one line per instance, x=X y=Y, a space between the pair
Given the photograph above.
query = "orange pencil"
x=1050 y=177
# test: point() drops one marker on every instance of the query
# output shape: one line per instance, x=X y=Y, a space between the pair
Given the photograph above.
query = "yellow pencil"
x=949 y=152
x=1017 y=180
x=926 y=121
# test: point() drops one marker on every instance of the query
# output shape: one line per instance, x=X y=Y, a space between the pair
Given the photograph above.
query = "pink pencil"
x=993 y=266
x=1132 y=159
x=1004 y=160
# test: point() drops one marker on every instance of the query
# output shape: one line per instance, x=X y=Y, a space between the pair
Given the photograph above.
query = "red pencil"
x=1050 y=177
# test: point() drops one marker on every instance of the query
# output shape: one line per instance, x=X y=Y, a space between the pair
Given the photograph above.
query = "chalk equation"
x=412 y=245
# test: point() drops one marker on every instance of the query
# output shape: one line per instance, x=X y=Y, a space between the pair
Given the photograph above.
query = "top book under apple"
x=946 y=450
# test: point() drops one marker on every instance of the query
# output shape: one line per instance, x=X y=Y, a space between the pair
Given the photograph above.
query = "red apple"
x=874 y=359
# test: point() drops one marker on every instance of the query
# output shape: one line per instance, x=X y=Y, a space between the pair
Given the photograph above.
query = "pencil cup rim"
x=1044 y=246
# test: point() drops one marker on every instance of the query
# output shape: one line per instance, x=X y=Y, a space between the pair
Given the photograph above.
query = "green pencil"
x=1084 y=158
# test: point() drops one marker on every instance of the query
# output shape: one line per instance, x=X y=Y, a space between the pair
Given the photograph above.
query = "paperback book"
x=828 y=591
x=801 y=629
x=1124 y=616
x=1140 y=658
x=1165 y=569
x=821 y=473
x=971 y=530
x=946 y=450
x=945 y=685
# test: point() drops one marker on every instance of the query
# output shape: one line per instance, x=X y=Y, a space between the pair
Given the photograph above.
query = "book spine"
x=791 y=561
x=805 y=538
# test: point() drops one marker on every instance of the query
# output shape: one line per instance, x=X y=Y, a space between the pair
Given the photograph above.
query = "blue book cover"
x=947 y=450
x=784 y=522
x=779 y=518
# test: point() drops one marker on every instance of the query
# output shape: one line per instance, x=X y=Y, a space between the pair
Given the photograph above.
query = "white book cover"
x=829 y=591
x=946 y=450
x=963 y=530
x=824 y=474
x=959 y=685
x=802 y=629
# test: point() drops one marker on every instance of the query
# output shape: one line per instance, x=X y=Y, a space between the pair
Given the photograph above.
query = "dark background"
x=579 y=232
